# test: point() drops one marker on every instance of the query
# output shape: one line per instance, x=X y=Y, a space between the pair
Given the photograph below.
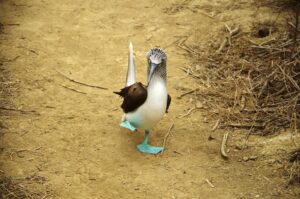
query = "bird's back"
x=134 y=96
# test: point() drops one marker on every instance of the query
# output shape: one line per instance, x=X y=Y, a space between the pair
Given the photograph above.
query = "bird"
x=145 y=105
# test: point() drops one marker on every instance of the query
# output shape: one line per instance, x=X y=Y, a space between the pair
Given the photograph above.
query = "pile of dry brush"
x=251 y=85
x=292 y=168
x=252 y=80
x=9 y=189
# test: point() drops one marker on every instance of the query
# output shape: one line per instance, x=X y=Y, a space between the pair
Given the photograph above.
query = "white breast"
x=154 y=108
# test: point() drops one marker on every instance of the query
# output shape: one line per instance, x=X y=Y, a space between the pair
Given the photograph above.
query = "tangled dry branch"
x=252 y=85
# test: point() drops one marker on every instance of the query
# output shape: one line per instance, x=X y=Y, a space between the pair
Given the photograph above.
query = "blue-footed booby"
x=144 y=106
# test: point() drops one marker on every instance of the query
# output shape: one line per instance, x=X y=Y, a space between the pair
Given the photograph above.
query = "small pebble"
x=253 y=157
x=245 y=159
x=238 y=146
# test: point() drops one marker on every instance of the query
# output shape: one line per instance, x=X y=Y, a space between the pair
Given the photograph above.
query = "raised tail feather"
x=130 y=79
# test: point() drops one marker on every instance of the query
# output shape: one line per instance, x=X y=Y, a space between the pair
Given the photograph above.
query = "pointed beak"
x=152 y=68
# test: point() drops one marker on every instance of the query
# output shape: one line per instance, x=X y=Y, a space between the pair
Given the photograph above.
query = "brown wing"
x=134 y=96
x=168 y=102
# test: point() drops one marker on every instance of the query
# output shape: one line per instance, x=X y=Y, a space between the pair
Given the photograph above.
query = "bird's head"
x=157 y=61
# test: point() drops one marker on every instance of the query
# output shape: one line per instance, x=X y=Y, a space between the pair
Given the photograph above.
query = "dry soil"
x=67 y=135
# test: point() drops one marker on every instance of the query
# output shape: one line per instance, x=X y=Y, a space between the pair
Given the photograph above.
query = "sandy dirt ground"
x=67 y=135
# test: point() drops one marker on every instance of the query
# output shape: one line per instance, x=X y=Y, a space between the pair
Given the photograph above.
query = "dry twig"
x=167 y=136
x=228 y=37
x=188 y=92
x=17 y=110
x=72 y=89
x=81 y=83
x=223 y=146
x=215 y=127
x=209 y=183
x=187 y=113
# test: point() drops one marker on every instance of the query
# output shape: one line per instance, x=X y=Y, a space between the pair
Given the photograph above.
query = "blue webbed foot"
x=127 y=125
x=146 y=148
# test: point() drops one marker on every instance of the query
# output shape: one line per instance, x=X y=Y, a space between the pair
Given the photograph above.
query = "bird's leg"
x=146 y=148
x=127 y=125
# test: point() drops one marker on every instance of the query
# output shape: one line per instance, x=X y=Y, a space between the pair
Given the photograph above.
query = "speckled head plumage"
x=156 y=55
x=157 y=62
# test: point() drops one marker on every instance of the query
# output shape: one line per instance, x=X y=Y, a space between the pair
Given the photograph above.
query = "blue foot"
x=146 y=148
x=127 y=125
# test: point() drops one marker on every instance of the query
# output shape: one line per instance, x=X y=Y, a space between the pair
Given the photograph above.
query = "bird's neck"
x=157 y=85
